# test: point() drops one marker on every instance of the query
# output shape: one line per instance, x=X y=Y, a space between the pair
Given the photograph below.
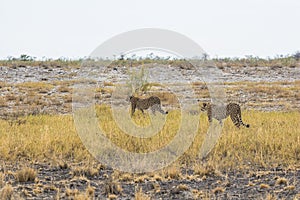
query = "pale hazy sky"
x=73 y=29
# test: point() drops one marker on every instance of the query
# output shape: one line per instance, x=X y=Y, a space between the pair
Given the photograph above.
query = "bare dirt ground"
x=55 y=181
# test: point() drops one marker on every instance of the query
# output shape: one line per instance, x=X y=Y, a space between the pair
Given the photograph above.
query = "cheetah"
x=143 y=104
x=232 y=109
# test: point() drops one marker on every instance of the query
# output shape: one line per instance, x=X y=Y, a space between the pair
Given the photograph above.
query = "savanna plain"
x=43 y=157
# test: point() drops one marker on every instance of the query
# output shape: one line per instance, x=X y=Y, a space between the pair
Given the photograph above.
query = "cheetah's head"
x=204 y=106
x=129 y=98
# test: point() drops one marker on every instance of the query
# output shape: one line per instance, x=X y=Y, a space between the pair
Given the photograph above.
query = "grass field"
x=272 y=141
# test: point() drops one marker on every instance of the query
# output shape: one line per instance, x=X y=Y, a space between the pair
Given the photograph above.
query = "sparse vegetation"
x=264 y=186
x=218 y=190
x=182 y=187
x=138 y=82
x=113 y=188
x=25 y=175
x=34 y=144
x=139 y=195
x=2 y=182
x=85 y=171
x=6 y=192
x=282 y=181
x=248 y=60
x=55 y=138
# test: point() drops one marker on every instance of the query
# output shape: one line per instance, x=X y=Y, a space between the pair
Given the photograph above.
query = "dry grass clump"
x=250 y=184
x=270 y=197
x=71 y=193
x=112 y=196
x=47 y=188
x=157 y=177
x=75 y=194
x=182 y=187
x=289 y=187
x=90 y=191
x=7 y=192
x=108 y=84
x=204 y=169
x=172 y=172
x=64 y=89
x=264 y=186
x=122 y=176
x=282 y=181
x=37 y=190
x=218 y=190
x=3 y=102
x=62 y=164
x=141 y=178
x=25 y=175
x=85 y=171
x=2 y=181
x=139 y=195
x=156 y=187
x=199 y=194
x=103 y=91
x=112 y=187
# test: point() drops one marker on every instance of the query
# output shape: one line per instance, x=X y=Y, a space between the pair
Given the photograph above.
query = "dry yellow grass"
x=273 y=139
x=270 y=197
x=80 y=195
x=264 y=186
x=139 y=195
x=218 y=190
x=182 y=187
x=86 y=171
x=2 y=177
x=42 y=137
x=25 y=175
x=7 y=192
x=282 y=181
x=113 y=188
x=172 y=172
x=35 y=85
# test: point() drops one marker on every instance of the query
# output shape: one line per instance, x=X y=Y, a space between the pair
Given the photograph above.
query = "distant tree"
x=25 y=57
x=297 y=55
x=122 y=57
x=10 y=58
x=205 y=56
x=150 y=56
